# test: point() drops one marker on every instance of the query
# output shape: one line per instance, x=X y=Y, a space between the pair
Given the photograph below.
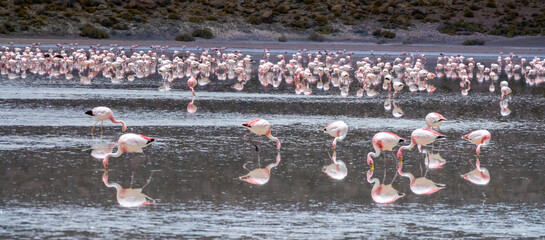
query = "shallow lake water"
x=51 y=186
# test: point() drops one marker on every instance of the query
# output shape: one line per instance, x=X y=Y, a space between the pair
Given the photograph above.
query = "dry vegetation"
x=148 y=19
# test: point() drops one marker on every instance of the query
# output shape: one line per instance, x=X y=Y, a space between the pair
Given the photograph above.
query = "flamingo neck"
x=278 y=145
x=107 y=157
x=375 y=181
x=273 y=165
x=400 y=151
x=409 y=175
x=123 y=125
x=372 y=155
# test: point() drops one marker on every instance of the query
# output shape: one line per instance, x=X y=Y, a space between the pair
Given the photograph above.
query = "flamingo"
x=260 y=176
x=262 y=127
x=129 y=142
x=129 y=197
x=434 y=119
x=434 y=160
x=479 y=138
x=104 y=113
x=382 y=193
x=505 y=90
x=383 y=141
x=420 y=137
x=420 y=185
x=338 y=130
x=479 y=175
x=337 y=170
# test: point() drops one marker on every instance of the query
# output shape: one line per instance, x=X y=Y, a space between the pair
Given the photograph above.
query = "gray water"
x=52 y=187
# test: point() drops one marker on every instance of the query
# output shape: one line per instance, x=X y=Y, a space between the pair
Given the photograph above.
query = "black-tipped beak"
x=401 y=140
x=151 y=140
x=440 y=120
x=90 y=112
x=245 y=125
x=440 y=137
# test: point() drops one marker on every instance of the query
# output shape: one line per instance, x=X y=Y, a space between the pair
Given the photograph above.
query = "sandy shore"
x=523 y=45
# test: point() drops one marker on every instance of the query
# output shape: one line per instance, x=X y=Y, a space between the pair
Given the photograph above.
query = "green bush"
x=316 y=37
x=91 y=31
x=383 y=34
x=282 y=38
x=471 y=42
x=186 y=37
x=205 y=33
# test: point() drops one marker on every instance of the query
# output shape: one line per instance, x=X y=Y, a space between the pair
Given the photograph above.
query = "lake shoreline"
x=506 y=46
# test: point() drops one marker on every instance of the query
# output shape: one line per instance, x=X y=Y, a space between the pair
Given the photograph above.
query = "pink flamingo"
x=101 y=114
x=382 y=193
x=129 y=197
x=420 y=137
x=129 y=142
x=260 y=176
x=420 y=185
x=192 y=82
x=383 y=141
x=338 y=130
x=479 y=138
x=434 y=119
x=262 y=127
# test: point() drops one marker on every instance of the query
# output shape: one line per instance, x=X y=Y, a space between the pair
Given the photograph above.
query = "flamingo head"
x=399 y=167
x=370 y=162
x=105 y=163
x=400 y=155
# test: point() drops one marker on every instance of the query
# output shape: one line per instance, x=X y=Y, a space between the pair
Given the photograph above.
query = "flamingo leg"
x=148 y=181
x=428 y=164
x=384 y=157
x=244 y=166
x=93 y=129
x=132 y=179
x=101 y=123
x=149 y=160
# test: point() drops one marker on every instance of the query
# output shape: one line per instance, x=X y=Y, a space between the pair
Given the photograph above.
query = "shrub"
x=468 y=13
x=254 y=20
x=195 y=19
x=383 y=34
x=471 y=42
x=316 y=37
x=173 y=16
x=461 y=27
x=205 y=33
x=91 y=31
x=282 y=38
x=211 y=18
x=186 y=37
x=324 y=29
x=321 y=20
x=491 y=4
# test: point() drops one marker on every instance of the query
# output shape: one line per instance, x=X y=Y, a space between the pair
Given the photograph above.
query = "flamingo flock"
x=308 y=72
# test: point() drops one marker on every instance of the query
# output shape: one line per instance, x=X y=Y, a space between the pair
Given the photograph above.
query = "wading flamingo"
x=420 y=137
x=262 y=127
x=479 y=138
x=434 y=120
x=101 y=114
x=260 y=176
x=505 y=90
x=382 y=193
x=383 y=141
x=338 y=130
x=129 y=197
x=129 y=142
x=420 y=185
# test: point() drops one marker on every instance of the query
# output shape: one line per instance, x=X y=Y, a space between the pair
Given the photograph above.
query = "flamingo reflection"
x=260 y=176
x=382 y=193
x=337 y=170
x=129 y=197
x=191 y=108
x=420 y=185
x=479 y=175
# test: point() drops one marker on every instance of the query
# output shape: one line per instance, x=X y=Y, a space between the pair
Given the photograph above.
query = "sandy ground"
x=520 y=45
